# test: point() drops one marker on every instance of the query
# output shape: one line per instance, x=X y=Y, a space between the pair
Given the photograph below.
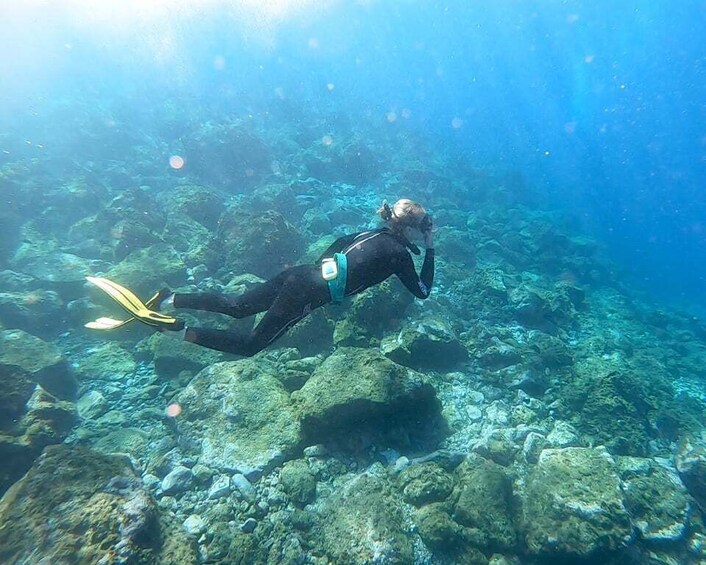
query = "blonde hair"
x=402 y=214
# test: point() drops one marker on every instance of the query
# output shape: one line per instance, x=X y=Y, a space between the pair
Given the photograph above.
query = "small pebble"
x=195 y=525
x=249 y=525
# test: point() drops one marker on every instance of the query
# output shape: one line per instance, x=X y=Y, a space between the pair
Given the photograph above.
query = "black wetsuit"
x=373 y=256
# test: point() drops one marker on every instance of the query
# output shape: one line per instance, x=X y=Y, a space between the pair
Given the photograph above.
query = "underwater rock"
x=498 y=356
x=370 y=314
x=106 y=362
x=655 y=498
x=36 y=310
x=16 y=387
x=51 y=266
x=40 y=359
x=690 y=461
x=228 y=155
x=241 y=417
x=427 y=344
x=447 y=538
x=92 y=405
x=298 y=482
x=147 y=270
x=276 y=242
x=178 y=480
x=356 y=389
x=171 y=358
x=363 y=522
x=45 y=420
x=572 y=505
x=97 y=509
x=133 y=441
x=199 y=203
x=425 y=483
x=484 y=502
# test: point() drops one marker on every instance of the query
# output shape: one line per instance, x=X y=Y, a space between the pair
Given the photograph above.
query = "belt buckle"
x=329 y=269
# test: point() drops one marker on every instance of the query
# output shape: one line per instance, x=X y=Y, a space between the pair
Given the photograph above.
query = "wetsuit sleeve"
x=337 y=246
x=420 y=285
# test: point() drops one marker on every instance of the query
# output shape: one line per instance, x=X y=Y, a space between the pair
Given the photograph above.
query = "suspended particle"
x=176 y=162
x=173 y=410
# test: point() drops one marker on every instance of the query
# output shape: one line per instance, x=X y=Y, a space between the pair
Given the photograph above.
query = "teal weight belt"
x=335 y=272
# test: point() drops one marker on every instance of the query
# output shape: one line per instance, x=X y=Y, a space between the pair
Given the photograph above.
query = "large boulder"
x=363 y=522
x=427 y=344
x=39 y=421
x=40 y=359
x=106 y=362
x=484 y=502
x=171 y=357
x=656 y=499
x=77 y=506
x=241 y=416
x=690 y=462
x=262 y=244
x=573 y=506
x=36 y=310
x=359 y=388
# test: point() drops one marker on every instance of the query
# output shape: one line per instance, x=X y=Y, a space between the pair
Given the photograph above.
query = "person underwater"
x=349 y=266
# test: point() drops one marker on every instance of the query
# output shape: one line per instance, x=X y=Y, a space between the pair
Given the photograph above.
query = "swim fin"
x=132 y=304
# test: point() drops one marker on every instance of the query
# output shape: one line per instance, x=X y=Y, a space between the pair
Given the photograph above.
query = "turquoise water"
x=544 y=405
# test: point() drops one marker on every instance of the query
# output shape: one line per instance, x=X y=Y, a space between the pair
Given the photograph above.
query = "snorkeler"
x=349 y=266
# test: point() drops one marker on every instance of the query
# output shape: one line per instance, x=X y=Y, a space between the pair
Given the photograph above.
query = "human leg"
x=299 y=294
x=257 y=299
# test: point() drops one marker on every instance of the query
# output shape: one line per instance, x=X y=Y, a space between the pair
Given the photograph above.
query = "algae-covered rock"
x=573 y=506
x=371 y=313
x=690 y=461
x=16 y=386
x=171 y=357
x=427 y=344
x=32 y=310
x=354 y=387
x=616 y=405
x=655 y=498
x=51 y=266
x=363 y=522
x=298 y=482
x=147 y=270
x=106 y=362
x=124 y=440
x=278 y=243
x=44 y=420
x=425 y=483
x=241 y=416
x=96 y=507
x=447 y=538
x=92 y=405
x=40 y=359
x=484 y=502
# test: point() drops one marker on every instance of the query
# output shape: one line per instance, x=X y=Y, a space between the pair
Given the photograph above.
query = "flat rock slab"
x=242 y=417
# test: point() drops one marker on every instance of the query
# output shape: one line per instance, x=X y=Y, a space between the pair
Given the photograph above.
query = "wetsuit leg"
x=257 y=299
x=303 y=291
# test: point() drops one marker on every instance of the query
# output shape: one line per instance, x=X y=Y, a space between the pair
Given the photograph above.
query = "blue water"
x=599 y=105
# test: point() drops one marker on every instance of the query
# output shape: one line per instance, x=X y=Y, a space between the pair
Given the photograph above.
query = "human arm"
x=419 y=285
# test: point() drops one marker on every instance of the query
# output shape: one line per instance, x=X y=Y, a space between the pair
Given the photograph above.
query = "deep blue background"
x=601 y=104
